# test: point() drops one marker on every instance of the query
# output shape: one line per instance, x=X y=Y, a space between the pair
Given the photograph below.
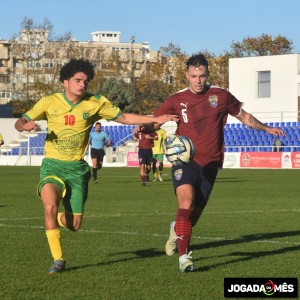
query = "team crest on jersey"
x=54 y=114
x=178 y=174
x=213 y=100
x=85 y=115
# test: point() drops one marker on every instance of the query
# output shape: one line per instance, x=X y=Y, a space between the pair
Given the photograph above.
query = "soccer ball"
x=179 y=150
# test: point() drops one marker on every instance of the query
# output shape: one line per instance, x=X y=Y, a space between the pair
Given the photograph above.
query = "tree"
x=34 y=73
x=37 y=60
x=262 y=46
x=175 y=65
x=218 y=69
x=19 y=107
x=116 y=90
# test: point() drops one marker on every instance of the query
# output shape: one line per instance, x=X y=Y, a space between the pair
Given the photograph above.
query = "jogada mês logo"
x=260 y=287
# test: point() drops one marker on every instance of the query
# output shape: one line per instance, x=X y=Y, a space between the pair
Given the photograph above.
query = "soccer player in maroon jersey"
x=146 y=136
x=202 y=112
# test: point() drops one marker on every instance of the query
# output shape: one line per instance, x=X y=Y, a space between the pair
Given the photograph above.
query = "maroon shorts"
x=145 y=156
x=201 y=178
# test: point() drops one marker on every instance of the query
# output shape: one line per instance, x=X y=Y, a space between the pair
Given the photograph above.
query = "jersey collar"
x=69 y=102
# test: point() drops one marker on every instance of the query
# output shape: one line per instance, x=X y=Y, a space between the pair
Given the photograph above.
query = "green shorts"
x=71 y=177
x=158 y=157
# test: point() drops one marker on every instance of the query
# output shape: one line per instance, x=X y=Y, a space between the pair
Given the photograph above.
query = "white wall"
x=7 y=129
x=98 y=36
x=285 y=81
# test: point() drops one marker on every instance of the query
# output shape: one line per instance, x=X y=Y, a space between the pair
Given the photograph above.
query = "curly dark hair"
x=74 y=66
x=197 y=60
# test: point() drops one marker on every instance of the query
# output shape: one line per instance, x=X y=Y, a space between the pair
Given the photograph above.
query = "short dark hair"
x=147 y=128
x=197 y=60
x=74 y=66
x=98 y=123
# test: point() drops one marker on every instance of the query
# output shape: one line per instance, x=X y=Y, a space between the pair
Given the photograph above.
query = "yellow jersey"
x=69 y=124
x=158 y=147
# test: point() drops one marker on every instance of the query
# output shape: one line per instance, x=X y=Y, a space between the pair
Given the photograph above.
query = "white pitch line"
x=252 y=211
x=17 y=219
x=22 y=226
x=159 y=235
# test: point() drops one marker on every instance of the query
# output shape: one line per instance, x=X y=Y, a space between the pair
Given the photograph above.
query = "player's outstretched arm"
x=252 y=122
x=132 y=119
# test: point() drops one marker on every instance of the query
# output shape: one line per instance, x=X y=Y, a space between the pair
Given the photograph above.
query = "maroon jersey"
x=202 y=118
x=145 y=143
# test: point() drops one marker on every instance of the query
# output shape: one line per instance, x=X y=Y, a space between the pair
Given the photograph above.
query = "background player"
x=64 y=174
x=146 y=136
x=202 y=110
x=158 y=151
x=1 y=140
x=99 y=140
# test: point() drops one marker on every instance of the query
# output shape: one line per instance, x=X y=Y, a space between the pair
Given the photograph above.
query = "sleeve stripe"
x=26 y=117
x=117 y=116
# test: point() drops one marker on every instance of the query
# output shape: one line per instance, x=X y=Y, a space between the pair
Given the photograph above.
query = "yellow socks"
x=54 y=237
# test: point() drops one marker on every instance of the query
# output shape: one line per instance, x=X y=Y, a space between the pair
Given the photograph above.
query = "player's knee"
x=50 y=211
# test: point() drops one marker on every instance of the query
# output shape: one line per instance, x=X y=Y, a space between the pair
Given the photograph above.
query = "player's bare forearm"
x=252 y=122
x=131 y=119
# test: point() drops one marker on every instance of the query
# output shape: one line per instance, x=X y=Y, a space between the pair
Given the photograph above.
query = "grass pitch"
x=250 y=228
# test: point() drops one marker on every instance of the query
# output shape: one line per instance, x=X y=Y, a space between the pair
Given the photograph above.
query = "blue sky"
x=193 y=25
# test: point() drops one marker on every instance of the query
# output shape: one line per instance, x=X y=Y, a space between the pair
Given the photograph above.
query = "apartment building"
x=5 y=94
x=32 y=60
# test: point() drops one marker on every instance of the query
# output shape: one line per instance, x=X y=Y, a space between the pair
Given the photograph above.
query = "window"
x=4 y=78
x=31 y=64
x=264 y=84
x=19 y=78
x=17 y=64
x=5 y=94
x=48 y=65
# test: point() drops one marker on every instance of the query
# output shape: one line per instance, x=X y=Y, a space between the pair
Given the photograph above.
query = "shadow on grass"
x=246 y=256
x=229 y=179
x=139 y=254
x=239 y=256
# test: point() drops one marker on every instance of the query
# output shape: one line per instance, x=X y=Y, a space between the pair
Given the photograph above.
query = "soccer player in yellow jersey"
x=1 y=140
x=64 y=175
x=158 y=151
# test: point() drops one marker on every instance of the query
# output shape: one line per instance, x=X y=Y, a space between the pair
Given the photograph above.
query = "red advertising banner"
x=261 y=160
x=295 y=157
x=132 y=159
